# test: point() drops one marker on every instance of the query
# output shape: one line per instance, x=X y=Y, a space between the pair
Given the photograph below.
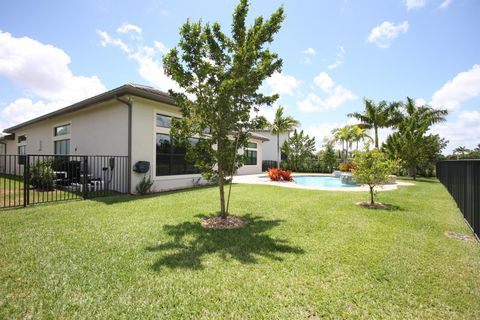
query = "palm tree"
x=375 y=116
x=460 y=151
x=344 y=135
x=412 y=127
x=360 y=134
x=282 y=124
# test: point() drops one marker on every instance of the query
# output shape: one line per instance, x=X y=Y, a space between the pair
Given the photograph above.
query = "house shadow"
x=121 y=198
x=191 y=242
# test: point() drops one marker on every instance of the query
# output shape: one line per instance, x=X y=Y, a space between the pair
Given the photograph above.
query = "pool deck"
x=263 y=178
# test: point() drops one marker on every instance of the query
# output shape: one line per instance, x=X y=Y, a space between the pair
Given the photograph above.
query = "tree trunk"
x=278 y=150
x=371 y=196
x=346 y=153
x=376 y=137
x=221 y=181
x=412 y=171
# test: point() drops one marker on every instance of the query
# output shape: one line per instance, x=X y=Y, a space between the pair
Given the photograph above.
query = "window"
x=22 y=151
x=62 y=146
x=251 y=156
x=170 y=158
x=252 y=145
x=62 y=130
x=21 y=138
x=164 y=121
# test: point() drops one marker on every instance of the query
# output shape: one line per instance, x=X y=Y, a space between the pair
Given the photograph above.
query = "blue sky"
x=335 y=53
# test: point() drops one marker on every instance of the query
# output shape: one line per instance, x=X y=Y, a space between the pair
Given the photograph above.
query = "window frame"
x=67 y=125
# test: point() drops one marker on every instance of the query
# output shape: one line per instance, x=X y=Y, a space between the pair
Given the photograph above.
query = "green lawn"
x=304 y=255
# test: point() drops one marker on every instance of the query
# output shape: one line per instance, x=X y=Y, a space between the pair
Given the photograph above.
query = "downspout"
x=128 y=103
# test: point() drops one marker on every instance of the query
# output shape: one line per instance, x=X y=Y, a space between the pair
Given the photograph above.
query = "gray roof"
x=129 y=88
x=259 y=136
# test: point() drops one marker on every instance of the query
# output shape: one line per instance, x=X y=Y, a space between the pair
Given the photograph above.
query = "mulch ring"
x=230 y=222
x=376 y=205
x=460 y=236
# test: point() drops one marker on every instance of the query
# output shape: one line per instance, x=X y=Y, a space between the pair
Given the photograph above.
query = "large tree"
x=220 y=78
x=345 y=135
x=410 y=142
x=280 y=125
x=376 y=116
x=298 y=149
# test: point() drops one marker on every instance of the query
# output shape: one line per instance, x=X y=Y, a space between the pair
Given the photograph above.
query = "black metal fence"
x=462 y=180
x=31 y=179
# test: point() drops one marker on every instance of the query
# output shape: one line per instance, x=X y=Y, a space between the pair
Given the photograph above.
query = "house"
x=131 y=120
x=269 y=147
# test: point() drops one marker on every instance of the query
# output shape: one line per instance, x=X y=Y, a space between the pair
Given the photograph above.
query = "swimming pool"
x=322 y=182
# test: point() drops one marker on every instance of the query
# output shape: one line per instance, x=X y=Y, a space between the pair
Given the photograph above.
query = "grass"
x=304 y=254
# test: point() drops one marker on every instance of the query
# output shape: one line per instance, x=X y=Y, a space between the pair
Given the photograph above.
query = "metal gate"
x=32 y=179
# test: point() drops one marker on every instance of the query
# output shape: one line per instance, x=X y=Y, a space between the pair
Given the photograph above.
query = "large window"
x=21 y=152
x=171 y=158
x=62 y=130
x=251 y=156
x=62 y=146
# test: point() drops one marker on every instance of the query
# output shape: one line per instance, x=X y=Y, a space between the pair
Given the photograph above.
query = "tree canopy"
x=220 y=77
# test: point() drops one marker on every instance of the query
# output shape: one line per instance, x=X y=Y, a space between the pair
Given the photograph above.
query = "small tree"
x=373 y=169
x=329 y=158
x=220 y=77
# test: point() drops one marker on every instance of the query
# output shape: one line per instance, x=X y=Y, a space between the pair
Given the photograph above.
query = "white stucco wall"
x=252 y=169
x=98 y=130
x=270 y=147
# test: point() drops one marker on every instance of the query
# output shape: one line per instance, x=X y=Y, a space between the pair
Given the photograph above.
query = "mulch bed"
x=230 y=222
x=376 y=205
x=460 y=236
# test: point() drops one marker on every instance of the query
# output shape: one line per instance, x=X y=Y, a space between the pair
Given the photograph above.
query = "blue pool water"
x=323 y=182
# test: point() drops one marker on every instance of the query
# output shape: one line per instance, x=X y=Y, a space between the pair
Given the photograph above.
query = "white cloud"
x=283 y=84
x=324 y=81
x=24 y=109
x=267 y=112
x=462 y=132
x=385 y=33
x=150 y=65
x=127 y=27
x=106 y=40
x=336 y=98
x=445 y=4
x=415 y=4
x=462 y=87
x=420 y=102
x=43 y=71
x=309 y=51
x=336 y=95
x=339 y=59
x=160 y=47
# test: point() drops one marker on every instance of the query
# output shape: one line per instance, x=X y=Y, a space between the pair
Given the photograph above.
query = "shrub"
x=277 y=174
x=286 y=175
x=346 y=167
x=41 y=175
x=274 y=174
x=144 y=185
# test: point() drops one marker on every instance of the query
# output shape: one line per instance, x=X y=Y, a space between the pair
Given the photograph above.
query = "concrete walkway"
x=265 y=180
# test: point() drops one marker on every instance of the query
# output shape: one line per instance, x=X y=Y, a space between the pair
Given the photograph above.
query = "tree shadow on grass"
x=191 y=242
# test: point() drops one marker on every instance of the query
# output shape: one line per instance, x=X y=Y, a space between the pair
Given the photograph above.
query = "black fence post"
x=85 y=177
x=26 y=182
